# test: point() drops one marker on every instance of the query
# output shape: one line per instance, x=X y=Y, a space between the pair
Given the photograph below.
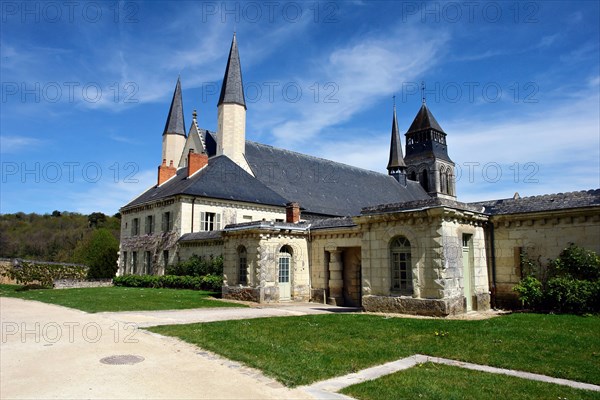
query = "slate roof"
x=396 y=158
x=194 y=236
x=175 y=123
x=232 y=89
x=301 y=226
x=220 y=179
x=547 y=202
x=419 y=205
x=343 y=222
x=424 y=120
x=325 y=187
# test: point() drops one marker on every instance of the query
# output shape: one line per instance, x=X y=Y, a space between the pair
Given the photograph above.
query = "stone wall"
x=543 y=236
x=413 y=306
x=4 y=265
x=72 y=284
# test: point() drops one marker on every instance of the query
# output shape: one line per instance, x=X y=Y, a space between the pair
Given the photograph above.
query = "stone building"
x=292 y=227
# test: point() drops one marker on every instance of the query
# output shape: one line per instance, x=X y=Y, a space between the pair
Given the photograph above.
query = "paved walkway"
x=153 y=318
x=327 y=390
x=53 y=352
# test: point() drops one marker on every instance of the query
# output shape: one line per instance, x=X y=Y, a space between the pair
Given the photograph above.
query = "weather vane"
x=423 y=91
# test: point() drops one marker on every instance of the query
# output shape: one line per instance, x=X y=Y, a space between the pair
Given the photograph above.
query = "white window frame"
x=401 y=266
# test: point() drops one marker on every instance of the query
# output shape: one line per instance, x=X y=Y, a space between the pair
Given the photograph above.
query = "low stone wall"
x=72 y=284
x=241 y=293
x=409 y=305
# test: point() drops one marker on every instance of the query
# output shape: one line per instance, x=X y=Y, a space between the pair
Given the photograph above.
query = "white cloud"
x=12 y=144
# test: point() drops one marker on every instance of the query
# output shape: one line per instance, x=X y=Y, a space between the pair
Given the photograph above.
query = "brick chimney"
x=165 y=173
x=292 y=213
x=195 y=162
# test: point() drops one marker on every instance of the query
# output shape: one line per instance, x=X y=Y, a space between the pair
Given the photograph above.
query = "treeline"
x=60 y=236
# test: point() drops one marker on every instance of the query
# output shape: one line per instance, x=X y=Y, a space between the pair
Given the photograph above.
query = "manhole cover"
x=126 y=359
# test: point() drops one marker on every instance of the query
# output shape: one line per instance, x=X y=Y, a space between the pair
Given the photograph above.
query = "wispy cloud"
x=12 y=144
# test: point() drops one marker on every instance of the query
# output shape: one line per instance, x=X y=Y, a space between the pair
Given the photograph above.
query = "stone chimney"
x=165 y=173
x=292 y=213
x=195 y=162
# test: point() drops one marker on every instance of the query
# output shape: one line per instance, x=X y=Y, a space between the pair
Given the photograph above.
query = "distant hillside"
x=51 y=237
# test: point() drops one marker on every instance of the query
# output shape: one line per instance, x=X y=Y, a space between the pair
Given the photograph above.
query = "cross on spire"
x=423 y=91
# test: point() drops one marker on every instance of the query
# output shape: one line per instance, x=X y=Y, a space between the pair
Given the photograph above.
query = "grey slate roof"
x=220 y=179
x=424 y=120
x=194 y=236
x=420 y=204
x=232 y=89
x=325 y=187
x=175 y=123
x=343 y=222
x=547 y=202
x=396 y=158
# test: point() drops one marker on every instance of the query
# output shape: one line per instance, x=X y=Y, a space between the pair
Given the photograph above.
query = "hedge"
x=211 y=283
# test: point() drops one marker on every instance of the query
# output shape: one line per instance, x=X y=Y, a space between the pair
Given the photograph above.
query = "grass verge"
x=434 y=381
x=118 y=298
x=301 y=350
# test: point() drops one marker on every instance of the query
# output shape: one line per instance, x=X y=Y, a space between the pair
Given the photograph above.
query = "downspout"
x=193 y=202
x=493 y=255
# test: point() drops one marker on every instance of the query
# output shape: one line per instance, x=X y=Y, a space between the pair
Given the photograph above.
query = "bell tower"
x=427 y=157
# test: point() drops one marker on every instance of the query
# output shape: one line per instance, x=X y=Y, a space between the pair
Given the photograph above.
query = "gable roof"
x=547 y=202
x=220 y=179
x=325 y=187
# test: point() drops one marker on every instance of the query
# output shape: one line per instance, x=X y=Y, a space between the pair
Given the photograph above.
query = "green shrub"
x=530 y=291
x=565 y=294
x=211 y=283
x=44 y=274
x=570 y=283
x=578 y=263
x=196 y=266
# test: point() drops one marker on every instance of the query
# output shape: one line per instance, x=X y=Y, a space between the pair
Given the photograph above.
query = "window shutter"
x=218 y=222
x=202 y=221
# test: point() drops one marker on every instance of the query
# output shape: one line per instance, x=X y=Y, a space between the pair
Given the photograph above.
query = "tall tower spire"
x=173 y=138
x=396 y=166
x=232 y=90
x=427 y=157
x=231 y=109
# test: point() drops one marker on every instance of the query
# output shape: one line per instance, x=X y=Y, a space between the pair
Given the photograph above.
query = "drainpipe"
x=193 y=202
x=493 y=254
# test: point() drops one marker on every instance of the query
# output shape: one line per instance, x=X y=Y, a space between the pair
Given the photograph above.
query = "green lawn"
x=118 y=298
x=434 y=381
x=301 y=350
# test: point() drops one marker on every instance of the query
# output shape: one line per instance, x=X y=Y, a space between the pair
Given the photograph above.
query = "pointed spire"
x=396 y=160
x=175 y=123
x=232 y=89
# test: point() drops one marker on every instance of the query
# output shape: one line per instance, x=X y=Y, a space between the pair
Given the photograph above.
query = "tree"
x=99 y=252
x=96 y=219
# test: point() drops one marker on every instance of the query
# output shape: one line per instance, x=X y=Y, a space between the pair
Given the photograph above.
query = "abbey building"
x=292 y=227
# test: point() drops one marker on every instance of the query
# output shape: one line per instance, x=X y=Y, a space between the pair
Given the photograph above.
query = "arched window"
x=285 y=261
x=243 y=265
x=425 y=180
x=449 y=182
x=401 y=266
x=413 y=176
x=443 y=187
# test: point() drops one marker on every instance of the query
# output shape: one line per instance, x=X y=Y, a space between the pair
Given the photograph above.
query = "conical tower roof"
x=232 y=89
x=175 y=123
x=396 y=158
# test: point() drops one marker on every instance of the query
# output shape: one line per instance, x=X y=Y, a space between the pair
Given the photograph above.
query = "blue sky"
x=86 y=88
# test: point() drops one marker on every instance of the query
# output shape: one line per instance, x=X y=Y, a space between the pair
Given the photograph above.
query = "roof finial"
x=423 y=91
x=194 y=115
x=394 y=97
